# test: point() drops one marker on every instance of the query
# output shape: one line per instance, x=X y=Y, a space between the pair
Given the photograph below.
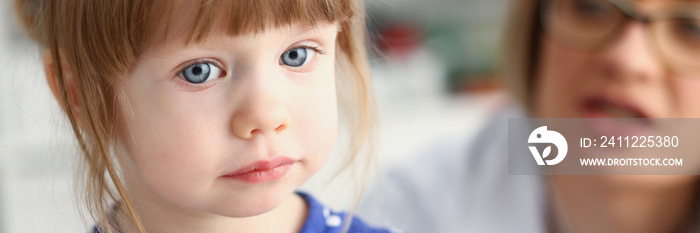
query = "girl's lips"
x=263 y=170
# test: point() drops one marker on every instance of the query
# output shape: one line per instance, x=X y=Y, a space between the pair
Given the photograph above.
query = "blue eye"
x=297 y=56
x=200 y=73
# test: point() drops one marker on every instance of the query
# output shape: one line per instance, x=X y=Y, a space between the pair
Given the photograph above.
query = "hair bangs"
x=244 y=17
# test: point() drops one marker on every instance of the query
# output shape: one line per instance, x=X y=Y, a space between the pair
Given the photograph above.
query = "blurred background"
x=433 y=70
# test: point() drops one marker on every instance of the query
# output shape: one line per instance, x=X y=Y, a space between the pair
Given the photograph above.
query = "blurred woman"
x=564 y=59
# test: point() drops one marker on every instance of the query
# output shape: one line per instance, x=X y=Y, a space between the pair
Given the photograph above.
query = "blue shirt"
x=322 y=219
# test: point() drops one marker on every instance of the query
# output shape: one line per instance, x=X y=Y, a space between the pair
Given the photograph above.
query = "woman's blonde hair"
x=519 y=55
x=100 y=41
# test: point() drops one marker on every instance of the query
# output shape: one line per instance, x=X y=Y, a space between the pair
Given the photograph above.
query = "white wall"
x=36 y=150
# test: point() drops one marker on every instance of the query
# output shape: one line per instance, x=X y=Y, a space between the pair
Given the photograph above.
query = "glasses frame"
x=630 y=14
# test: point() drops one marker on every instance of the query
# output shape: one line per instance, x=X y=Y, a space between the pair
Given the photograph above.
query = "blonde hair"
x=100 y=42
x=519 y=54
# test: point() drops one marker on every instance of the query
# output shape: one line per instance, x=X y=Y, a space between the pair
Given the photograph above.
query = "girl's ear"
x=52 y=80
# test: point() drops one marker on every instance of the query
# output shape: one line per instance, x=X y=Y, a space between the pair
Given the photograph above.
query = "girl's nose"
x=263 y=109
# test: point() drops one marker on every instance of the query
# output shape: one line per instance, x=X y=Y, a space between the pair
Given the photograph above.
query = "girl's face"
x=625 y=79
x=232 y=125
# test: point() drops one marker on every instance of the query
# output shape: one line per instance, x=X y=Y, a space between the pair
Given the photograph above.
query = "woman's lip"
x=603 y=123
x=614 y=127
x=592 y=106
x=263 y=170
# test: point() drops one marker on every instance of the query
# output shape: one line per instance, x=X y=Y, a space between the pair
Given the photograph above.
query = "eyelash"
x=315 y=48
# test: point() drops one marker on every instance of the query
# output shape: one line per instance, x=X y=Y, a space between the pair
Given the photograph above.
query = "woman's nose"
x=631 y=57
x=263 y=109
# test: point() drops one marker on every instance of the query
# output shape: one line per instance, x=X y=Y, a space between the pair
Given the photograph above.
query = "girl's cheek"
x=159 y=141
x=317 y=118
x=176 y=172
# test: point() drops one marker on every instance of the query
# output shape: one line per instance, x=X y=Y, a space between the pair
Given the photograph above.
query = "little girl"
x=206 y=116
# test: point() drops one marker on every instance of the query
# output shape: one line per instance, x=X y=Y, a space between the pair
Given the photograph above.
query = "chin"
x=242 y=205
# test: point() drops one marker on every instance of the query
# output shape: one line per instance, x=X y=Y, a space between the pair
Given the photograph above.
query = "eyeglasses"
x=591 y=25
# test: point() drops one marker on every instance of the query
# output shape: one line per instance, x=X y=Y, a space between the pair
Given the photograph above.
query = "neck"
x=622 y=203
